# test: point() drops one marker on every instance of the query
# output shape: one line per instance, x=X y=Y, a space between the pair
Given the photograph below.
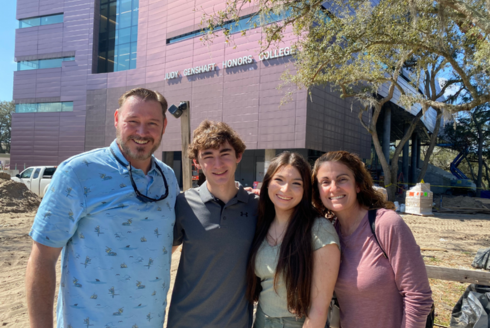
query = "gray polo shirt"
x=211 y=280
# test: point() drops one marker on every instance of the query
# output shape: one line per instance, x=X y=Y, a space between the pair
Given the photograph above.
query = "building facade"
x=77 y=57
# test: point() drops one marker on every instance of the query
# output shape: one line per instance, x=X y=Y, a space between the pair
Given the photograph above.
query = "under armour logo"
x=242 y=214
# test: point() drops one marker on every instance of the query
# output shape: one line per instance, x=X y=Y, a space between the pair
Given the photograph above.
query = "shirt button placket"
x=223 y=217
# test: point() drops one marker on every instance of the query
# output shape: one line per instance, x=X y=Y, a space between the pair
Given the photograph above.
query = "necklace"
x=275 y=241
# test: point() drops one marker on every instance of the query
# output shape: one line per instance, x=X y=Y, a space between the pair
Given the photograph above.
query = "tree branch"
x=472 y=14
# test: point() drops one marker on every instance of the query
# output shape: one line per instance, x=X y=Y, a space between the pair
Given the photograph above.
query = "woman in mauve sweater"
x=372 y=290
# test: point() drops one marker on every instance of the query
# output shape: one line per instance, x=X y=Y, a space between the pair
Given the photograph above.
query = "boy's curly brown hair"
x=212 y=134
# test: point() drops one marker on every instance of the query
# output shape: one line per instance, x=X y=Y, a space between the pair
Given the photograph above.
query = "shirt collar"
x=123 y=169
x=206 y=196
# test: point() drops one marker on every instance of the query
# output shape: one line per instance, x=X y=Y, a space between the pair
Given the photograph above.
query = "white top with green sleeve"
x=274 y=302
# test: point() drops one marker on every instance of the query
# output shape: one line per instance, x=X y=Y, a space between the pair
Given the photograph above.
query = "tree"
x=471 y=133
x=362 y=49
x=6 y=110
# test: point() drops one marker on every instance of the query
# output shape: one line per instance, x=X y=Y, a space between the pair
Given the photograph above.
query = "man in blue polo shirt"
x=110 y=213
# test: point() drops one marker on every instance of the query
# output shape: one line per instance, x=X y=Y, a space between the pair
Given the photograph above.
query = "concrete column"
x=405 y=158
x=269 y=155
x=386 y=133
x=413 y=164
x=418 y=152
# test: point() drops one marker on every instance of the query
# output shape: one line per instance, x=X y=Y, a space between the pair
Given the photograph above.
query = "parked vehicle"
x=36 y=178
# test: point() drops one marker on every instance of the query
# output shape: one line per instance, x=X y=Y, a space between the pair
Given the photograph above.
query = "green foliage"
x=358 y=47
x=361 y=48
x=6 y=110
x=468 y=131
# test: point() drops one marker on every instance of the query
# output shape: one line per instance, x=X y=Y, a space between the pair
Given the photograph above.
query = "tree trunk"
x=388 y=179
x=471 y=169
x=433 y=140
x=391 y=171
x=480 y=156
x=486 y=170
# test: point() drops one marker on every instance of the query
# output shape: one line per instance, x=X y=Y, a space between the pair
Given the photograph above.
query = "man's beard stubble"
x=140 y=155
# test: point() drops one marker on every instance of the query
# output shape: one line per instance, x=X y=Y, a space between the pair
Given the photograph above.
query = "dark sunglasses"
x=140 y=196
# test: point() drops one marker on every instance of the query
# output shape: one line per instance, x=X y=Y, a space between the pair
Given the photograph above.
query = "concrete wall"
x=333 y=124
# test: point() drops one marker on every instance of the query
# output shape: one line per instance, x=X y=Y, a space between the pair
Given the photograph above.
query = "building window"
x=42 y=63
x=41 y=20
x=244 y=23
x=118 y=35
x=66 y=106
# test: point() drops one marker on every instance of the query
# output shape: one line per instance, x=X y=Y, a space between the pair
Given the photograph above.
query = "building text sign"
x=235 y=62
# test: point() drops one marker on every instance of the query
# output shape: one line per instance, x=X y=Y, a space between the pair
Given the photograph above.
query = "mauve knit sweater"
x=376 y=292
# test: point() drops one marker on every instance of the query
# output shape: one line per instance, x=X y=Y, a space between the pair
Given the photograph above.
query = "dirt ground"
x=460 y=236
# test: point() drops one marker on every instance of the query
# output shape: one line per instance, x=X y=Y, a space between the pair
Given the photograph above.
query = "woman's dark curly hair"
x=366 y=197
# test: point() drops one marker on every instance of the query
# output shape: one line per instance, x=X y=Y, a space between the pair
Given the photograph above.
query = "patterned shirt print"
x=115 y=264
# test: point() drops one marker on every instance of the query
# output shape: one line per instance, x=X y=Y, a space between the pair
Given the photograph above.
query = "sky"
x=8 y=24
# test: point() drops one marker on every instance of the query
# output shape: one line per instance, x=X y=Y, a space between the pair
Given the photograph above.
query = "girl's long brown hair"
x=367 y=197
x=295 y=261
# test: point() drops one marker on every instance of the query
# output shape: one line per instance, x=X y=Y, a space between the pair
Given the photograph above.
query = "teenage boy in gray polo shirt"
x=216 y=225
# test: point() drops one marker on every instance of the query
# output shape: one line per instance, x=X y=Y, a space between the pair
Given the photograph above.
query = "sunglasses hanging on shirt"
x=139 y=195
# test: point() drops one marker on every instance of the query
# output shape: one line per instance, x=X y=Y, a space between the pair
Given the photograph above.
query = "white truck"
x=36 y=178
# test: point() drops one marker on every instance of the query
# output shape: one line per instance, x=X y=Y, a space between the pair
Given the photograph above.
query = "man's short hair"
x=211 y=135
x=145 y=95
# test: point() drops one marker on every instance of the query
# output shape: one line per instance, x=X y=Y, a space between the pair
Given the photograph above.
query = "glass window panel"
x=123 y=35
x=122 y=57
x=244 y=23
x=49 y=107
x=102 y=64
x=117 y=44
x=26 y=108
x=124 y=20
x=112 y=13
x=123 y=49
x=67 y=106
x=68 y=58
x=111 y=54
x=135 y=17
x=125 y=6
x=134 y=53
x=132 y=64
x=111 y=36
x=103 y=45
x=110 y=65
x=134 y=33
x=49 y=171
x=29 y=22
x=50 y=63
x=26 y=174
x=27 y=65
x=54 y=19
x=104 y=14
x=36 y=174
x=134 y=49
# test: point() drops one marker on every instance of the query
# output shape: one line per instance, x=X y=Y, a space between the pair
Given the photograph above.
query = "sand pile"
x=16 y=198
x=461 y=201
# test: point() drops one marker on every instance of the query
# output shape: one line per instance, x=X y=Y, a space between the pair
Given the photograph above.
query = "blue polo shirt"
x=116 y=249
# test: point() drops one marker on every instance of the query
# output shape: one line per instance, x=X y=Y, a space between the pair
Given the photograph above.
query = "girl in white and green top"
x=295 y=254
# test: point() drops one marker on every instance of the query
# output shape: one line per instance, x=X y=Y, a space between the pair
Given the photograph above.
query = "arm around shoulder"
x=41 y=284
